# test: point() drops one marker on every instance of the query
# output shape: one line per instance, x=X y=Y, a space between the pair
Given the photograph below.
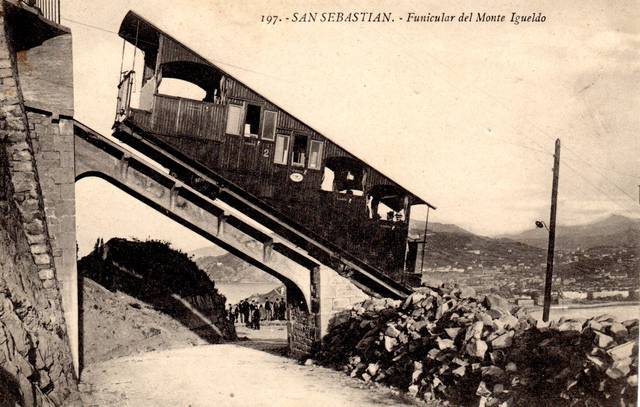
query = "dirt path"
x=251 y=372
x=223 y=375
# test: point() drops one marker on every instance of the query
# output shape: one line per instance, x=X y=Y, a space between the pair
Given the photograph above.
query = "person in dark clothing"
x=276 y=309
x=268 y=311
x=235 y=313
x=230 y=316
x=281 y=309
x=256 y=317
x=246 y=313
x=252 y=315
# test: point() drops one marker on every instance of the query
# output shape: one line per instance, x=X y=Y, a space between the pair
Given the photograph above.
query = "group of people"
x=251 y=313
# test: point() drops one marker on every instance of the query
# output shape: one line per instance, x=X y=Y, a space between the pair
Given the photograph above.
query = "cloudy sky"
x=463 y=114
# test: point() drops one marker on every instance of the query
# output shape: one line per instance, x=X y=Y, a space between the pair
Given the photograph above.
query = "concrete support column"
x=173 y=196
x=123 y=167
x=315 y=306
x=267 y=250
x=222 y=220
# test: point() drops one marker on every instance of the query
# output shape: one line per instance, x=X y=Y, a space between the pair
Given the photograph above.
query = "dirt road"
x=223 y=375
x=233 y=375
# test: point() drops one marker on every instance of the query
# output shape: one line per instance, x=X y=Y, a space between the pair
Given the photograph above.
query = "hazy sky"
x=463 y=114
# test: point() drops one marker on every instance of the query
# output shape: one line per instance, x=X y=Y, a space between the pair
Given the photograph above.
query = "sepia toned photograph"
x=319 y=203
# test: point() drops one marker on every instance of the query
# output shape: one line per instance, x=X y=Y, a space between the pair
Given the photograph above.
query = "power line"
x=105 y=30
x=95 y=27
x=475 y=89
x=611 y=170
x=535 y=150
x=613 y=183
x=260 y=73
x=597 y=188
x=506 y=107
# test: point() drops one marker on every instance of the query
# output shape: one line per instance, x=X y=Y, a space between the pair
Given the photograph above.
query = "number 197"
x=269 y=19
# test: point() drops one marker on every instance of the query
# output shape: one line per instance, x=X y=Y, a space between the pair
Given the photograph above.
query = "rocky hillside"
x=464 y=250
x=163 y=279
x=116 y=324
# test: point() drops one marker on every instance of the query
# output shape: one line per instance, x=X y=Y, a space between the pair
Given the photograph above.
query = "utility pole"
x=424 y=241
x=552 y=234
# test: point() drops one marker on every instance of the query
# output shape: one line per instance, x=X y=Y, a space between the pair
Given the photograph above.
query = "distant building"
x=610 y=294
x=524 y=301
x=574 y=295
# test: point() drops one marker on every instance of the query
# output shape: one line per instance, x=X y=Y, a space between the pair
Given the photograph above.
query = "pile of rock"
x=445 y=343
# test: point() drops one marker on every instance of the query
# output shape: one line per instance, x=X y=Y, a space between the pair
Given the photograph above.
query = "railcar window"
x=281 y=154
x=299 y=153
x=269 y=125
x=234 y=119
x=315 y=154
x=252 y=121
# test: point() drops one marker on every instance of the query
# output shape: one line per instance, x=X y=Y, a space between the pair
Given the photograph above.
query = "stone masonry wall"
x=52 y=140
x=301 y=333
x=35 y=358
x=35 y=367
x=337 y=294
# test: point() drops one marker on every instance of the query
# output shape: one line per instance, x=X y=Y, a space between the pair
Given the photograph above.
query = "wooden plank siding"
x=171 y=51
x=175 y=116
x=198 y=130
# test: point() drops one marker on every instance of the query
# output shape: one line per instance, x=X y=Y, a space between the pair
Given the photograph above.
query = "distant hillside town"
x=598 y=262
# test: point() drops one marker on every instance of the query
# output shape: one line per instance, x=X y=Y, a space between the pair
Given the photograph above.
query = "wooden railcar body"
x=247 y=139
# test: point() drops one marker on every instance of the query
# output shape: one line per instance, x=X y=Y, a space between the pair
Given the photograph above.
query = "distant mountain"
x=206 y=251
x=227 y=268
x=616 y=231
x=454 y=247
x=466 y=251
x=417 y=228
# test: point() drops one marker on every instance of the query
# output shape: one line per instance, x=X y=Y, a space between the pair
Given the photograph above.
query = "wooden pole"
x=424 y=240
x=407 y=217
x=552 y=234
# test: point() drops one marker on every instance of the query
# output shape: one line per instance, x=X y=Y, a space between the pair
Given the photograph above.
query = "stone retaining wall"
x=52 y=139
x=35 y=360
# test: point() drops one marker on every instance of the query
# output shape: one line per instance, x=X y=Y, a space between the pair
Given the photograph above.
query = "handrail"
x=50 y=9
x=125 y=77
x=124 y=94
